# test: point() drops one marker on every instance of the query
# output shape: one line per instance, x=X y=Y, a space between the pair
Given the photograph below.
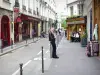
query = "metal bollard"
x=42 y=61
x=1 y=46
x=21 y=68
x=37 y=38
x=33 y=39
x=26 y=43
x=50 y=50
x=1 y=49
x=58 y=38
x=57 y=41
x=11 y=43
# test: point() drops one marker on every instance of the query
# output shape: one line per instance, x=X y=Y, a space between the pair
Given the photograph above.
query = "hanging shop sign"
x=16 y=13
x=76 y=22
x=18 y=20
x=16 y=9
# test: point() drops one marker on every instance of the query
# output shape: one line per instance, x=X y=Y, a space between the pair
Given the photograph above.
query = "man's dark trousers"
x=54 y=49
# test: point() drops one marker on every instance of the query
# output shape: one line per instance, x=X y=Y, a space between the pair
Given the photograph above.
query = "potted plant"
x=84 y=39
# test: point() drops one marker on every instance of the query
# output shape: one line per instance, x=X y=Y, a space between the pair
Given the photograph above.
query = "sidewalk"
x=17 y=45
x=73 y=61
x=25 y=43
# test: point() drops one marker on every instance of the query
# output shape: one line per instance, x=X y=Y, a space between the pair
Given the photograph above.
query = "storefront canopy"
x=26 y=17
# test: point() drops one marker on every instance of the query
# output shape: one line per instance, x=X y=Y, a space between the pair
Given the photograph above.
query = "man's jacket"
x=51 y=37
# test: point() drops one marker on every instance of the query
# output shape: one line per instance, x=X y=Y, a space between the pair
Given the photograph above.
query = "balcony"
x=30 y=10
x=7 y=1
x=37 y=13
x=34 y=12
x=24 y=8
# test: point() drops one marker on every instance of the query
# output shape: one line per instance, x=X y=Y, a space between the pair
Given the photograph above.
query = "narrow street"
x=49 y=37
x=72 y=60
x=9 y=63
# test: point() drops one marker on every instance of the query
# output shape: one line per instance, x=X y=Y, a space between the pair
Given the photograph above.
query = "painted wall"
x=6 y=5
x=87 y=6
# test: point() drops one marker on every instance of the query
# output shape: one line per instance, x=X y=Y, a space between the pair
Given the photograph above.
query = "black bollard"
x=50 y=50
x=11 y=43
x=37 y=38
x=1 y=49
x=1 y=46
x=26 y=43
x=21 y=68
x=42 y=61
x=33 y=39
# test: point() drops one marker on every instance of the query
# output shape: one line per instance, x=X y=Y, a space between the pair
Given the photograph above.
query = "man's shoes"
x=56 y=57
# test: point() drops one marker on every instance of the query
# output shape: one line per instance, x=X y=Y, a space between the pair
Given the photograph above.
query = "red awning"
x=26 y=17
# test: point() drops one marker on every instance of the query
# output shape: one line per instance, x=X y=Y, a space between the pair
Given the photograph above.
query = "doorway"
x=5 y=31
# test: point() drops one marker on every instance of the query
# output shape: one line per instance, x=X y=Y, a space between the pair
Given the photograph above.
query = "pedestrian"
x=52 y=42
x=33 y=32
x=43 y=34
x=59 y=31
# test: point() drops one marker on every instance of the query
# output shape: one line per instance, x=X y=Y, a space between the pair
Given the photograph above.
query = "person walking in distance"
x=52 y=42
x=33 y=32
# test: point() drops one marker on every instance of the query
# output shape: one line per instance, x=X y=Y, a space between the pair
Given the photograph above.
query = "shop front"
x=25 y=27
x=17 y=29
x=75 y=25
x=35 y=27
x=29 y=23
x=5 y=30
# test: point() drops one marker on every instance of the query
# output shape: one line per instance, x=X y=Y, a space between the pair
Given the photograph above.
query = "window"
x=37 y=11
x=7 y=1
x=71 y=10
x=80 y=9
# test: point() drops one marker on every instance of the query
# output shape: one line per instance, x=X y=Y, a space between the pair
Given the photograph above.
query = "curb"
x=9 y=51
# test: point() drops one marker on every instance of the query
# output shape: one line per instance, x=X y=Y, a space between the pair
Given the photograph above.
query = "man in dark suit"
x=52 y=42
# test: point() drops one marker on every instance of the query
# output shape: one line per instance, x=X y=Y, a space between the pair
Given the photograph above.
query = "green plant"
x=84 y=35
x=73 y=16
x=64 y=23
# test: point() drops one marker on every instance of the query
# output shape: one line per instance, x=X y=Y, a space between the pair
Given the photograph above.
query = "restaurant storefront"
x=29 y=23
x=75 y=25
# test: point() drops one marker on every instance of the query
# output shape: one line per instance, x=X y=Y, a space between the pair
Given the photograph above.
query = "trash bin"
x=95 y=48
